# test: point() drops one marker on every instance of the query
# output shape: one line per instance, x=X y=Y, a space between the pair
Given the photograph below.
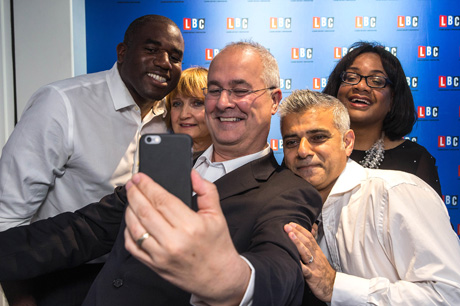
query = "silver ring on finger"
x=142 y=238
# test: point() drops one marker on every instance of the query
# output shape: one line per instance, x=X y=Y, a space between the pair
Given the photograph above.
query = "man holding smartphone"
x=241 y=97
x=231 y=249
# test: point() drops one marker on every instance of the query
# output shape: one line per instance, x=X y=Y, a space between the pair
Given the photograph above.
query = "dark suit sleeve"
x=279 y=279
x=64 y=241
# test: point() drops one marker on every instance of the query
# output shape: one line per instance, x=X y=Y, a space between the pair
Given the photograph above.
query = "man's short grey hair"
x=271 y=74
x=302 y=100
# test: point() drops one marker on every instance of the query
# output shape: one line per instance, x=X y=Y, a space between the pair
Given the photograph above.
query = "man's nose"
x=162 y=60
x=304 y=149
x=225 y=100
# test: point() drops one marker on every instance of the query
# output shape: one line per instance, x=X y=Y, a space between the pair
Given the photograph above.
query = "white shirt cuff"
x=349 y=290
x=248 y=295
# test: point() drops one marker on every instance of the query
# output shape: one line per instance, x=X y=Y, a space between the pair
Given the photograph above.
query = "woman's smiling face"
x=366 y=105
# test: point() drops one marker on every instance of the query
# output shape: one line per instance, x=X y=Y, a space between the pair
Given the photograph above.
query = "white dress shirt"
x=387 y=234
x=76 y=140
x=212 y=171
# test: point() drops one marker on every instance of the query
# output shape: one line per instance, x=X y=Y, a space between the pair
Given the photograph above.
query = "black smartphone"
x=167 y=159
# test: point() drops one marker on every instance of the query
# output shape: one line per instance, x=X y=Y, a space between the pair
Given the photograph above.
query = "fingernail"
x=136 y=178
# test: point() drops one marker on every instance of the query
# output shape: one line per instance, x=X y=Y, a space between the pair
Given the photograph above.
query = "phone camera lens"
x=153 y=139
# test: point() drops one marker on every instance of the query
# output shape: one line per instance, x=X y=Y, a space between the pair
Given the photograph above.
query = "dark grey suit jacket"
x=257 y=200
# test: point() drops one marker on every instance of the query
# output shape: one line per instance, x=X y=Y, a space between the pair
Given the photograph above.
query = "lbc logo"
x=285 y=84
x=428 y=52
x=392 y=50
x=276 y=144
x=450 y=199
x=237 y=23
x=301 y=53
x=412 y=81
x=323 y=22
x=210 y=53
x=427 y=111
x=447 y=81
x=280 y=23
x=447 y=21
x=340 y=52
x=365 y=22
x=407 y=21
x=193 y=24
x=447 y=141
x=319 y=83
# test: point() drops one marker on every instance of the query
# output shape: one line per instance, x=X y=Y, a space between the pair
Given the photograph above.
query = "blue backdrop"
x=308 y=37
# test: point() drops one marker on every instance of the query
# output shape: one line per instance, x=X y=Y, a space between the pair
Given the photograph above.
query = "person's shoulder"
x=75 y=82
x=80 y=80
x=288 y=190
x=53 y=95
x=394 y=178
x=288 y=180
x=412 y=146
x=392 y=188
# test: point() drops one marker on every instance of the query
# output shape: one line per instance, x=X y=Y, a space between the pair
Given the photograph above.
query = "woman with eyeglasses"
x=371 y=83
x=185 y=106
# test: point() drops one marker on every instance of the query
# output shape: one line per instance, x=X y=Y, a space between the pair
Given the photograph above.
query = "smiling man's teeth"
x=229 y=119
x=360 y=101
x=157 y=77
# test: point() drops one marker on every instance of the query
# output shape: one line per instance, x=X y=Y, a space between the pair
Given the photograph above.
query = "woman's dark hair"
x=401 y=118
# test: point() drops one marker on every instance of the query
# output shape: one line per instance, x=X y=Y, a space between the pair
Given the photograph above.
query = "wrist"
x=229 y=285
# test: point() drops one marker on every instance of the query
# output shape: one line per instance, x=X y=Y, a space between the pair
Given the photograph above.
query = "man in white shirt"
x=384 y=236
x=78 y=138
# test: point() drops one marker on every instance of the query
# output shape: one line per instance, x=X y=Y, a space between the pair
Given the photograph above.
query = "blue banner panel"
x=308 y=38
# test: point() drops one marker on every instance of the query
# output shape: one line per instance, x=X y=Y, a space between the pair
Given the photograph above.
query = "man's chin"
x=308 y=174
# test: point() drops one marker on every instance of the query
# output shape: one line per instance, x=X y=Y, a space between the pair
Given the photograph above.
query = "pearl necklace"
x=374 y=156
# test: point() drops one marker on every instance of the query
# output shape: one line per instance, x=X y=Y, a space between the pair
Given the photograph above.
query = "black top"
x=409 y=157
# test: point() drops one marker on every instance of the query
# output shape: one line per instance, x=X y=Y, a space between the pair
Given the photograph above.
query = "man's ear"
x=276 y=98
x=121 y=51
x=349 y=141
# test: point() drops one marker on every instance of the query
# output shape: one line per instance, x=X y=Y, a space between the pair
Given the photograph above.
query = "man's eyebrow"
x=309 y=132
x=290 y=135
x=319 y=130
x=232 y=83
x=212 y=82
x=150 y=41
x=239 y=82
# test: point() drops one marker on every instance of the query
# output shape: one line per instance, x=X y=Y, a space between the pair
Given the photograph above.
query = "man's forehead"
x=229 y=73
x=232 y=56
x=310 y=121
x=158 y=30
